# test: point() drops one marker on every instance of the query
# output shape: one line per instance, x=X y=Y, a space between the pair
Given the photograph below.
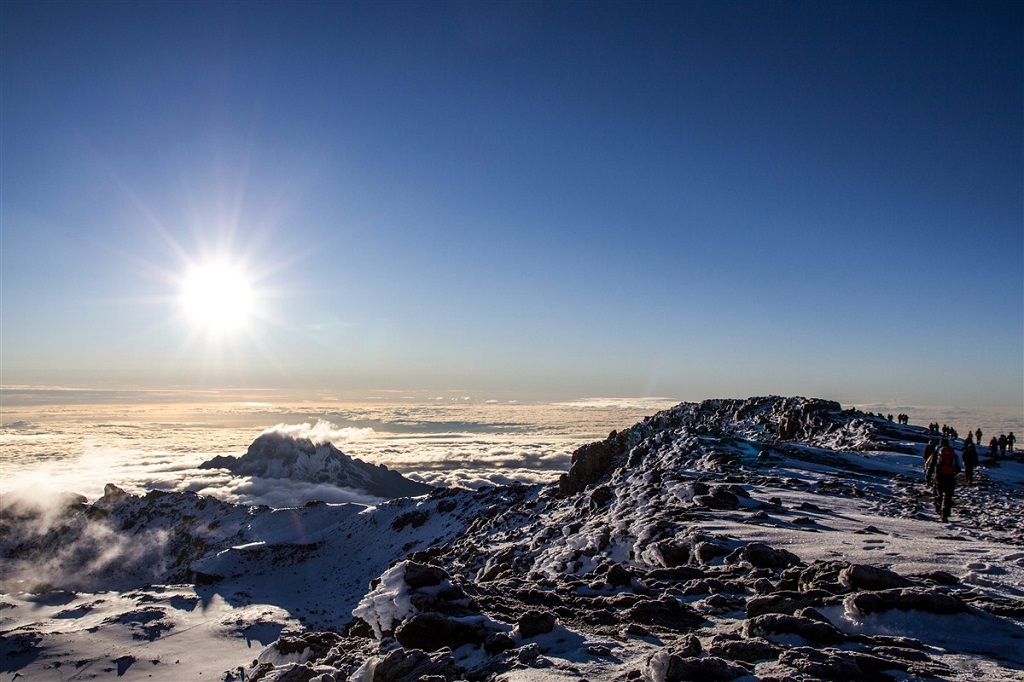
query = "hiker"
x=970 y=457
x=929 y=450
x=1002 y=444
x=1010 y=440
x=944 y=467
x=977 y=436
x=993 y=447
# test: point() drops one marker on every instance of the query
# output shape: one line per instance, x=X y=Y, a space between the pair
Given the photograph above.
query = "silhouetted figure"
x=970 y=461
x=977 y=436
x=929 y=451
x=1010 y=440
x=993 y=447
x=1002 y=444
x=944 y=467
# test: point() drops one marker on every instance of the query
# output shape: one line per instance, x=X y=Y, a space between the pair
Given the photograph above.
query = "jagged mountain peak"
x=278 y=455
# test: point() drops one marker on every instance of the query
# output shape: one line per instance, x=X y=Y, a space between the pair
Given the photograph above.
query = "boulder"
x=761 y=555
x=786 y=602
x=433 y=632
x=709 y=669
x=533 y=623
x=423 y=575
x=908 y=599
x=864 y=577
x=667 y=612
x=749 y=650
x=671 y=552
x=814 y=631
x=405 y=665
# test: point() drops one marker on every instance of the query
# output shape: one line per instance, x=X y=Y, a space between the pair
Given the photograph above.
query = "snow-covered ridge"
x=771 y=538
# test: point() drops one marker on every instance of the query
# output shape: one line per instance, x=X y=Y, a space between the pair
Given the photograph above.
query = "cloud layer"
x=79 y=449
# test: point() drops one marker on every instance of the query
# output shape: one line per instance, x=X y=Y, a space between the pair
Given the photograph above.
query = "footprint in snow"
x=1017 y=558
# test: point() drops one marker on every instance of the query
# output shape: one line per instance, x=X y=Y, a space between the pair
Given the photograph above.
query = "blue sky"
x=518 y=199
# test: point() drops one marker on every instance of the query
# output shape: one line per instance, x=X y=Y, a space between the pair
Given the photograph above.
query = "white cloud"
x=322 y=432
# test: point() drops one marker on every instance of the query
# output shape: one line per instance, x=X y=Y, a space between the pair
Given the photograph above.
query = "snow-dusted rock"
x=280 y=455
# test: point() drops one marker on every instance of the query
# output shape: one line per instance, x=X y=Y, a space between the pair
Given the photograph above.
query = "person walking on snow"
x=943 y=468
x=1010 y=440
x=929 y=451
x=970 y=458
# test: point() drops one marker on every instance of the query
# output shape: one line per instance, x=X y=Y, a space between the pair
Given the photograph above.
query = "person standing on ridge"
x=977 y=436
x=944 y=467
x=993 y=447
x=970 y=458
x=929 y=452
x=1010 y=440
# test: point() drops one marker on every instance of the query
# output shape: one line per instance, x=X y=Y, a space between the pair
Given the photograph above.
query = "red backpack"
x=947 y=461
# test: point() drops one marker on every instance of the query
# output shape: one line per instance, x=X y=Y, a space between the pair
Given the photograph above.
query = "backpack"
x=947 y=461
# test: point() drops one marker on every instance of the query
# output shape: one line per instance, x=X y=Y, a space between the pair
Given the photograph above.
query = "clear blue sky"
x=520 y=199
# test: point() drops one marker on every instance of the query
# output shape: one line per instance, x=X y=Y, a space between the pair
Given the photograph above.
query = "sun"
x=217 y=297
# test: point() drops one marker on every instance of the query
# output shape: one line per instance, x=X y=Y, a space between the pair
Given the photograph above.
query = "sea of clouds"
x=80 y=448
x=47 y=450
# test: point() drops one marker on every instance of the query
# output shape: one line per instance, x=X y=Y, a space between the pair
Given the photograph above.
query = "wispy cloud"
x=322 y=432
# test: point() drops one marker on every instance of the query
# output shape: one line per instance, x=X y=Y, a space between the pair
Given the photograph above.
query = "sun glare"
x=217 y=297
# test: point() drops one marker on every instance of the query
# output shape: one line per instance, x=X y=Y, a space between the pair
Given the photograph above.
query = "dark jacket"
x=970 y=455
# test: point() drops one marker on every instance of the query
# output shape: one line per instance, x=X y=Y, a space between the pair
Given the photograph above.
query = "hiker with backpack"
x=942 y=469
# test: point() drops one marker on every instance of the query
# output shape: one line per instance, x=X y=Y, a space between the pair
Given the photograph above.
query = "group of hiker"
x=942 y=464
x=1001 y=445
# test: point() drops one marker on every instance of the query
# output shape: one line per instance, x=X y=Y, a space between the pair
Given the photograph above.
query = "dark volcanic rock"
x=423 y=575
x=666 y=613
x=533 y=623
x=822 y=665
x=591 y=462
x=863 y=577
x=709 y=669
x=761 y=555
x=671 y=552
x=402 y=665
x=749 y=650
x=910 y=599
x=814 y=631
x=433 y=631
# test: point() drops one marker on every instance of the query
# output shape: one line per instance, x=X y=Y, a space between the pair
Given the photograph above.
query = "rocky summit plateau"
x=767 y=539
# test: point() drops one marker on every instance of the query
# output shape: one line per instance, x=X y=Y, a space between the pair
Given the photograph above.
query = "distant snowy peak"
x=278 y=455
